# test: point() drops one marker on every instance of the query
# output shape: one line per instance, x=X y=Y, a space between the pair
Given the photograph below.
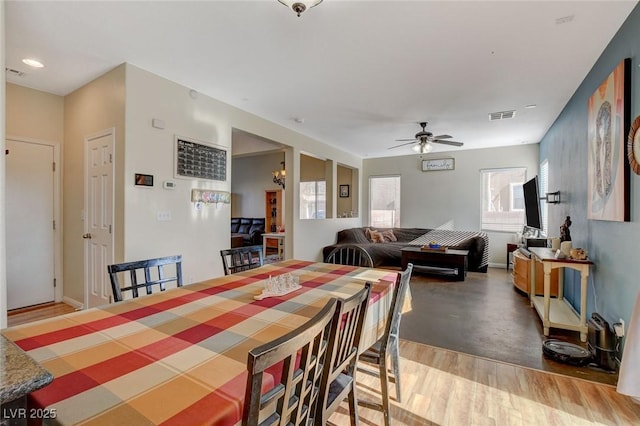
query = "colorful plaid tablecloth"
x=179 y=357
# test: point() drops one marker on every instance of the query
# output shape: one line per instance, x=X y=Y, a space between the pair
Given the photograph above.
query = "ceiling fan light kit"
x=299 y=6
x=424 y=140
x=423 y=148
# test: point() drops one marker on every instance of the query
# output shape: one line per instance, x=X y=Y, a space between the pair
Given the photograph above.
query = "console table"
x=279 y=237
x=557 y=312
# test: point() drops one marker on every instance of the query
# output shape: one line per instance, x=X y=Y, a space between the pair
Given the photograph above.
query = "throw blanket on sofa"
x=453 y=238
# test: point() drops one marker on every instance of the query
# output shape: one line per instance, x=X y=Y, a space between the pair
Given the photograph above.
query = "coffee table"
x=450 y=262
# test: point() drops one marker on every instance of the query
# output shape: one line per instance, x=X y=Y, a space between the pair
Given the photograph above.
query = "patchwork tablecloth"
x=179 y=357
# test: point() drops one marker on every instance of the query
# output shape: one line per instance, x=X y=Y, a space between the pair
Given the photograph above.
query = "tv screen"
x=532 y=203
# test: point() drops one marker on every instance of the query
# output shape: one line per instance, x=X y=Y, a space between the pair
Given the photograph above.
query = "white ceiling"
x=359 y=73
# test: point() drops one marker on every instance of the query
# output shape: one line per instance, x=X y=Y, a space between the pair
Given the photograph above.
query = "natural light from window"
x=384 y=201
x=313 y=200
x=503 y=199
x=544 y=188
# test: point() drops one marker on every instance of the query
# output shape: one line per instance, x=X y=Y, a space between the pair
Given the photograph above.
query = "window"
x=384 y=201
x=502 y=199
x=544 y=188
x=313 y=196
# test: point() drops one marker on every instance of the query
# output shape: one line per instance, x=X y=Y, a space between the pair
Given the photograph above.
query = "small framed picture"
x=344 y=191
x=143 y=180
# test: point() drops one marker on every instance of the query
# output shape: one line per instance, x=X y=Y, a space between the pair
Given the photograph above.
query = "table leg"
x=584 y=274
x=547 y=296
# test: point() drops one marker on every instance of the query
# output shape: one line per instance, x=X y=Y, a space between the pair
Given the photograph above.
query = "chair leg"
x=353 y=405
x=384 y=382
x=395 y=361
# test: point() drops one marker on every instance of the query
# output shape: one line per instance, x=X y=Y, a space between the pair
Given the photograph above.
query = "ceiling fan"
x=423 y=140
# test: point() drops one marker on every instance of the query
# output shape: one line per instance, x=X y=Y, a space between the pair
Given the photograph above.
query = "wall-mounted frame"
x=143 y=180
x=608 y=117
x=435 y=164
x=198 y=160
x=344 y=191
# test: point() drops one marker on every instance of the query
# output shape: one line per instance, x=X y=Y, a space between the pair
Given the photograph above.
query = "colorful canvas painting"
x=608 y=172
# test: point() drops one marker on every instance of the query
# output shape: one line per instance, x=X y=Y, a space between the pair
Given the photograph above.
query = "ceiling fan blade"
x=403 y=144
x=405 y=140
x=443 y=137
x=453 y=143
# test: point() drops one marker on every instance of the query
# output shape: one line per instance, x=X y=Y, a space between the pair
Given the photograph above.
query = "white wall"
x=200 y=235
x=431 y=199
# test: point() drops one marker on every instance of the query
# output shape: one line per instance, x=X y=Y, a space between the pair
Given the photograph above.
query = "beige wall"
x=345 y=204
x=34 y=114
x=97 y=106
x=431 y=199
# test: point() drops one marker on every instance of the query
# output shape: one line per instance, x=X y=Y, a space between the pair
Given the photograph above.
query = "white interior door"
x=98 y=217
x=29 y=223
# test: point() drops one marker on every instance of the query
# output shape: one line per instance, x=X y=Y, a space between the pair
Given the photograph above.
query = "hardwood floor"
x=35 y=313
x=443 y=387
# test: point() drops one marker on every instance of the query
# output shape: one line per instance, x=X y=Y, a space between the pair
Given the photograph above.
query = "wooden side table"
x=557 y=312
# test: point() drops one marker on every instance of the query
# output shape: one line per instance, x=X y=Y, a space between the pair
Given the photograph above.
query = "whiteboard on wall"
x=198 y=160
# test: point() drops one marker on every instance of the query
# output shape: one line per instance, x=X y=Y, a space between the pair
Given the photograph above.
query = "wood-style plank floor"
x=443 y=387
x=35 y=313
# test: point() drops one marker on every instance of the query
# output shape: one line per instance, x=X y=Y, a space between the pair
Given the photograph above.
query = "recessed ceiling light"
x=33 y=63
x=530 y=106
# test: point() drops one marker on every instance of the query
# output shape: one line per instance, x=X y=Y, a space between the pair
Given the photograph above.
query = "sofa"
x=386 y=250
x=250 y=229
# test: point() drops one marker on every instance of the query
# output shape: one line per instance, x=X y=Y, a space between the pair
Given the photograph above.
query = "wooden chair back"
x=350 y=254
x=392 y=327
x=144 y=274
x=241 y=259
x=302 y=354
x=338 y=379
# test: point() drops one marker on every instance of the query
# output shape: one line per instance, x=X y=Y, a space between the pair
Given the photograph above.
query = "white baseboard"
x=497 y=265
x=69 y=301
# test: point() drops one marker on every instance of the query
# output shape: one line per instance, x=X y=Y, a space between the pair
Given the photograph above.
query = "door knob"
x=86 y=236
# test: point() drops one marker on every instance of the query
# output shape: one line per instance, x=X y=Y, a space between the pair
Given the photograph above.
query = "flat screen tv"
x=532 y=203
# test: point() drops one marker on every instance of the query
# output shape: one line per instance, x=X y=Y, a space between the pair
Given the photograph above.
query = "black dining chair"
x=144 y=274
x=241 y=258
x=339 y=375
x=388 y=347
x=302 y=354
x=350 y=254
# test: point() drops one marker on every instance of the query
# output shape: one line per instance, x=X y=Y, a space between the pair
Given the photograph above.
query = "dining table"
x=179 y=357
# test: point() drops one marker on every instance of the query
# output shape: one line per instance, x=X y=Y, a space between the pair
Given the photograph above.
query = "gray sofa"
x=249 y=228
x=388 y=253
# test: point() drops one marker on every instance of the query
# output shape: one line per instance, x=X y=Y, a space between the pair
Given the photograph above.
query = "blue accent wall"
x=615 y=279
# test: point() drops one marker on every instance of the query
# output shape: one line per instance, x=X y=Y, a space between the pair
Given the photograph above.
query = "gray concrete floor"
x=487 y=317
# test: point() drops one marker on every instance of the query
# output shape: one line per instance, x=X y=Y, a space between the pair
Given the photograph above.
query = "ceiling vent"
x=502 y=115
x=13 y=73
